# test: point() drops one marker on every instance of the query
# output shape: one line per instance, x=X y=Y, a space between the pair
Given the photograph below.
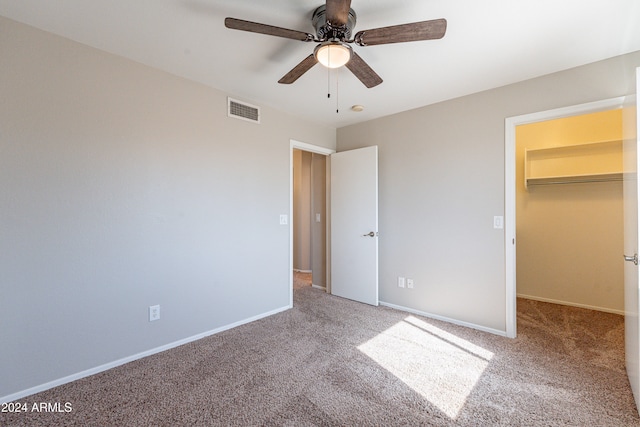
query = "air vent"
x=243 y=111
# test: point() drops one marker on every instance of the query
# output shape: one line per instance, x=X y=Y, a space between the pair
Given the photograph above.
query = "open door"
x=631 y=219
x=354 y=224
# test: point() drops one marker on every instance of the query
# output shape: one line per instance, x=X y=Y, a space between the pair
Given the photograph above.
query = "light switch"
x=498 y=222
x=284 y=219
x=317 y=217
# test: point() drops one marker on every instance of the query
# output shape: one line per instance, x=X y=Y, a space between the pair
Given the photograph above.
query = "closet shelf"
x=574 y=179
x=570 y=164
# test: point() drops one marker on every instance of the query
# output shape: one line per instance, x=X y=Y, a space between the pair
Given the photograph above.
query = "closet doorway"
x=309 y=216
x=569 y=211
x=547 y=191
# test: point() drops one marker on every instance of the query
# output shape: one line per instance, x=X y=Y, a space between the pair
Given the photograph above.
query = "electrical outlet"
x=154 y=312
x=410 y=283
x=401 y=282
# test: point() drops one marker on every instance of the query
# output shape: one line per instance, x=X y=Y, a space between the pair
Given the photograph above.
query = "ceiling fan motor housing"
x=324 y=30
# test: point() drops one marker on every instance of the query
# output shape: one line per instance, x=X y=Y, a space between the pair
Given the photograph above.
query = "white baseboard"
x=446 y=319
x=572 y=304
x=322 y=288
x=302 y=271
x=124 y=360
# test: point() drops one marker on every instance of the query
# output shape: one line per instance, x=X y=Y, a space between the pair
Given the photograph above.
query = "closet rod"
x=573 y=181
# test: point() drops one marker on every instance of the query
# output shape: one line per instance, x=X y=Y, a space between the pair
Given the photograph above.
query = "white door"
x=354 y=224
x=631 y=219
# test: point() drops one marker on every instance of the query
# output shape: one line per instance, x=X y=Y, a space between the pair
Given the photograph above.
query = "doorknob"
x=370 y=234
x=633 y=258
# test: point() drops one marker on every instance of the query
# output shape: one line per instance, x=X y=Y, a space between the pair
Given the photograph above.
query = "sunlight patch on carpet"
x=440 y=366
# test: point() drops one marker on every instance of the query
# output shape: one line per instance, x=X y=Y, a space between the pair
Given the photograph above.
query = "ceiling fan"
x=334 y=22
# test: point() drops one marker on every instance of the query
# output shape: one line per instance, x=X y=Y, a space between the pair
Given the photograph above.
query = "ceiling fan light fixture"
x=333 y=54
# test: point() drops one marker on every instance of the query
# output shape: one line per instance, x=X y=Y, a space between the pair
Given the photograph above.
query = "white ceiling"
x=488 y=44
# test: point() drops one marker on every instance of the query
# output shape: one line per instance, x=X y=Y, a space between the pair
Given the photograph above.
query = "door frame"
x=630 y=142
x=510 y=188
x=293 y=144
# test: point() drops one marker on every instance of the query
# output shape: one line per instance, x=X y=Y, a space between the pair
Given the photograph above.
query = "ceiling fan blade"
x=338 y=12
x=425 y=30
x=254 y=27
x=362 y=71
x=299 y=70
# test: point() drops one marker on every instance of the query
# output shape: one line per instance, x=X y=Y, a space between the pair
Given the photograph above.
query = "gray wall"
x=441 y=181
x=125 y=187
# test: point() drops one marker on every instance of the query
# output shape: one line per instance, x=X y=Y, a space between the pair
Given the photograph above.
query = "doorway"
x=309 y=213
x=569 y=211
x=511 y=125
x=309 y=219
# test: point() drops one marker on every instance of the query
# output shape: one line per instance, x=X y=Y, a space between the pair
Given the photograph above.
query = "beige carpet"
x=301 y=279
x=333 y=362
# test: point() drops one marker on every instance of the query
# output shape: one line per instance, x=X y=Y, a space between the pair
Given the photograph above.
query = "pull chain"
x=337 y=91
x=337 y=85
x=329 y=76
